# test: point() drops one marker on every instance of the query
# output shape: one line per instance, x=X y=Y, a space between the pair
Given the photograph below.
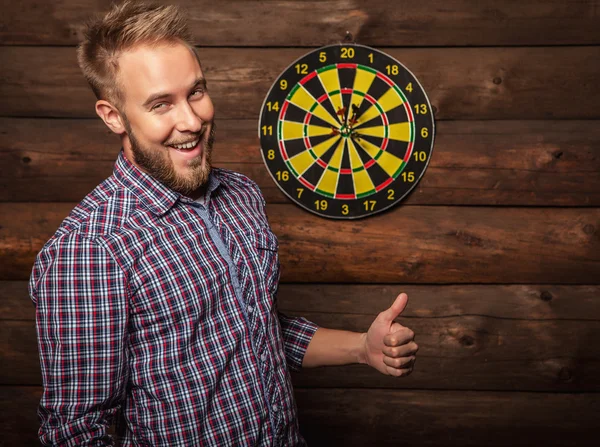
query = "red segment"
x=409 y=112
x=384 y=144
x=322 y=98
x=408 y=152
x=307 y=143
x=345 y=196
x=347 y=90
x=283 y=109
x=346 y=65
x=305 y=183
x=370 y=99
x=345 y=171
x=283 y=151
x=307 y=118
x=370 y=163
x=385 y=79
x=321 y=163
x=308 y=77
x=384 y=184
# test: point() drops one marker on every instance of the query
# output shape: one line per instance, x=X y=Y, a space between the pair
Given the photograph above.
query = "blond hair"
x=126 y=25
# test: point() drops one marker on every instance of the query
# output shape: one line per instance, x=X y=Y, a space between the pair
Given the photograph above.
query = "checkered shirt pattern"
x=161 y=310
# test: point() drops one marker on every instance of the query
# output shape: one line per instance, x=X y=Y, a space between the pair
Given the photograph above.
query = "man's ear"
x=111 y=116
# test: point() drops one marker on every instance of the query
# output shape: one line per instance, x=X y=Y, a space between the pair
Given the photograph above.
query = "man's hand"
x=388 y=346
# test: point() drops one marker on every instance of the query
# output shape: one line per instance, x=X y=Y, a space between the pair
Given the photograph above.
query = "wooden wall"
x=498 y=247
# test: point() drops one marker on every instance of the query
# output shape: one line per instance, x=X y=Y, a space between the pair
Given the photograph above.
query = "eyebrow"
x=163 y=95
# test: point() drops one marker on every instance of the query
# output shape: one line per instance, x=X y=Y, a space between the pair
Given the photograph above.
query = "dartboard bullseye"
x=346 y=131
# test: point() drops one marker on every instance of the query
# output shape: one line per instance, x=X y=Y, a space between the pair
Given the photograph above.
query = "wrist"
x=361 y=351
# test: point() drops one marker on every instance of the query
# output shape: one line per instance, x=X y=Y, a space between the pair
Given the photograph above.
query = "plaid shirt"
x=153 y=305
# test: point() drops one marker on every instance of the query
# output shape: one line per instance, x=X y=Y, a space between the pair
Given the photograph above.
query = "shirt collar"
x=154 y=195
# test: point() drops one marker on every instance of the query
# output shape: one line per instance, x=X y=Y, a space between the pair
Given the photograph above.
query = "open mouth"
x=187 y=146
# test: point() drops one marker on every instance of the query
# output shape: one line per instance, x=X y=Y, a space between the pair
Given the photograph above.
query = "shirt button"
x=250 y=308
x=263 y=356
x=275 y=407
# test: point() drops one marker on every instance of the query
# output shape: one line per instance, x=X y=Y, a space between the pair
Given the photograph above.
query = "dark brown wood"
x=360 y=418
x=433 y=418
x=525 y=302
x=462 y=83
x=315 y=23
x=474 y=162
x=468 y=352
x=405 y=245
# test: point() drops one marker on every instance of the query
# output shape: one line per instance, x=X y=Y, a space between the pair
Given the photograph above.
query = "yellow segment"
x=302 y=162
x=336 y=160
x=362 y=182
x=388 y=162
x=315 y=131
x=291 y=130
x=328 y=182
x=377 y=131
x=390 y=100
x=371 y=113
x=400 y=131
x=302 y=99
x=331 y=83
x=369 y=147
x=362 y=83
x=329 y=179
x=355 y=161
x=305 y=101
x=321 y=148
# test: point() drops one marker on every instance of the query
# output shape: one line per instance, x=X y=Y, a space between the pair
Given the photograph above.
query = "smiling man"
x=156 y=297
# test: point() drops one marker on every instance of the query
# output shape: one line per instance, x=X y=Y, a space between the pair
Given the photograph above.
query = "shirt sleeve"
x=297 y=334
x=81 y=313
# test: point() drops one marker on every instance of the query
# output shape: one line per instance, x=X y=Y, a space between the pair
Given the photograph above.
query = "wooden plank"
x=531 y=302
x=540 y=163
x=434 y=418
x=314 y=23
x=470 y=352
x=421 y=245
x=462 y=83
x=388 y=418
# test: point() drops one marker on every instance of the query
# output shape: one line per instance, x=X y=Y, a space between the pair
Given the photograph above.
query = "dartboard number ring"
x=346 y=131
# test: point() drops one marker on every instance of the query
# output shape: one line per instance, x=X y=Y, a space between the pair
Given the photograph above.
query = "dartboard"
x=346 y=131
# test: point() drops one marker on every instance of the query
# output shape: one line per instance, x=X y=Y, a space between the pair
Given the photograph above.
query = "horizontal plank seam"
x=417 y=317
x=309 y=47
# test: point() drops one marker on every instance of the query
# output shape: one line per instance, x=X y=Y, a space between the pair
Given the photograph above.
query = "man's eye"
x=197 y=92
x=160 y=105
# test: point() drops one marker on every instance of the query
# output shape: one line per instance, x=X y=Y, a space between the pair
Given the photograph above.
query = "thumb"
x=396 y=308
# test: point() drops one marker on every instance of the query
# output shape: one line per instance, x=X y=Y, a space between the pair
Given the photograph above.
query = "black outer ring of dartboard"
x=355 y=205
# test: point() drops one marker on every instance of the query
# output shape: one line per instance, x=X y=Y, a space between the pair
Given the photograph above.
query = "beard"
x=160 y=166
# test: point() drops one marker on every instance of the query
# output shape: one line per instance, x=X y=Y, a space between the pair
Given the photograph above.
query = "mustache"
x=195 y=136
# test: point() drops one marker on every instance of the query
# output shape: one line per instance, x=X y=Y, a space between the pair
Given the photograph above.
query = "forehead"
x=145 y=70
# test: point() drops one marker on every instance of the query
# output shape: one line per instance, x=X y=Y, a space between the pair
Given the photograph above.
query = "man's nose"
x=187 y=119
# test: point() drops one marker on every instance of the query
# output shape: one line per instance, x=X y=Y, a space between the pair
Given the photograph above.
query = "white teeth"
x=189 y=145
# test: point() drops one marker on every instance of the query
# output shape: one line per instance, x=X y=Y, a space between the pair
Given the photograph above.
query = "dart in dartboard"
x=346 y=131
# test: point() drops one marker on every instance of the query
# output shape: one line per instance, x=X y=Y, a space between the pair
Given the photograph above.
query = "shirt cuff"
x=297 y=334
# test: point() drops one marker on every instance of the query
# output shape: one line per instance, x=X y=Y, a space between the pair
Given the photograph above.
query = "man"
x=155 y=298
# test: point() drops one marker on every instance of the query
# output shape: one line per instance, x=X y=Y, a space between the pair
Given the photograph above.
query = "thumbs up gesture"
x=388 y=346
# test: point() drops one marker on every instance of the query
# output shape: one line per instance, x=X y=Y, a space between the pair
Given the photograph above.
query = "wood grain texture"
x=335 y=417
x=315 y=23
x=516 y=302
x=469 y=352
x=462 y=83
x=436 y=245
x=535 y=163
x=434 y=418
